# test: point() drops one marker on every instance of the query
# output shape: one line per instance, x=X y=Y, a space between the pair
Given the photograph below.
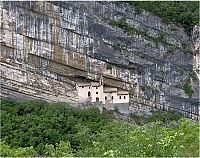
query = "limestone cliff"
x=46 y=46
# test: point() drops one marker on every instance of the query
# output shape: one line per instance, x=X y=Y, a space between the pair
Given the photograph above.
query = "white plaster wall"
x=100 y=94
x=116 y=98
x=109 y=96
x=83 y=92
x=122 y=100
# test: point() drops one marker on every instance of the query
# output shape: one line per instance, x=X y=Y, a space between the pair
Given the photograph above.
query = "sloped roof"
x=122 y=92
x=109 y=89
x=84 y=84
x=95 y=84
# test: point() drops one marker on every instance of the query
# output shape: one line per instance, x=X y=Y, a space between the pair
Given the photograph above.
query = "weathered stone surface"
x=47 y=45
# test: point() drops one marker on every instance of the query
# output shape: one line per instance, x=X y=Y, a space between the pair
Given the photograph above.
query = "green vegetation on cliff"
x=130 y=29
x=185 y=13
x=42 y=129
x=188 y=89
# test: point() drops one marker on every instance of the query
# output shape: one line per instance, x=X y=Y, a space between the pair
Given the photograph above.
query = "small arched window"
x=112 y=97
x=97 y=99
x=89 y=94
x=124 y=97
x=120 y=97
x=105 y=98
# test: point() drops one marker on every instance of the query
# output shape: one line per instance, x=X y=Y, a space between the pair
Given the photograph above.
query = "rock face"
x=46 y=46
x=196 y=51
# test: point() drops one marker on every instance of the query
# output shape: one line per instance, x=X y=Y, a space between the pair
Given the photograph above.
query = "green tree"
x=185 y=13
x=7 y=151
x=58 y=130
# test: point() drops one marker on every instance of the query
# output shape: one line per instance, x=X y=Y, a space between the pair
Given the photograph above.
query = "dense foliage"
x=185 y=13
x=42 y=129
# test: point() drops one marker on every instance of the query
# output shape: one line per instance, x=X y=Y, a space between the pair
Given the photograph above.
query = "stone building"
x=92 y=91
x=113 y=95
x=96 y=92
x=196 y=42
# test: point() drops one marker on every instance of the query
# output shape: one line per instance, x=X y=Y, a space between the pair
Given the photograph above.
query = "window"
x=89 y=87
x=97 y=99
x=112 y=97
x=82 y=87
x=105 y=98
x=124 y=97
x=96 y=87
x=89 y=94
x=96 y=92
x=120 y=97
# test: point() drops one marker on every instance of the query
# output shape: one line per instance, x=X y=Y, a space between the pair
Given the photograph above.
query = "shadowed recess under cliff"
x=45 y=46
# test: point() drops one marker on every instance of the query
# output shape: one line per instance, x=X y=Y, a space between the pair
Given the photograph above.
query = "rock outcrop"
x=45 y=46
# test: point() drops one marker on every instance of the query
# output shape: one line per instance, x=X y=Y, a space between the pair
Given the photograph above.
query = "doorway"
x=97 y=99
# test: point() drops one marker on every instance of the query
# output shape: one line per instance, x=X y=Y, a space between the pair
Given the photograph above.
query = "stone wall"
x=46 y=45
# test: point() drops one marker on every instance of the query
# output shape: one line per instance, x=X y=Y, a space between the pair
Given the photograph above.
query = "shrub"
x=116 y=46
x=132 y=30
x=38 y=123
x=184 y=13
x=57 y=130
x=109 y=66
x=188 y=89
x=171 y=49
x=116 y=109
x=162 y=36
x=194 y=76
x=163 y=116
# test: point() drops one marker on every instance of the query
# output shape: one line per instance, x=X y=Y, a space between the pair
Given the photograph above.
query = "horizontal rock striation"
x=46 y=46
